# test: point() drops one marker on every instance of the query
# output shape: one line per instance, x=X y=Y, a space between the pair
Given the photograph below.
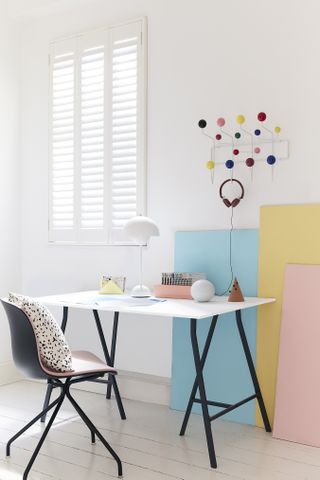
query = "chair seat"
x=84 y=363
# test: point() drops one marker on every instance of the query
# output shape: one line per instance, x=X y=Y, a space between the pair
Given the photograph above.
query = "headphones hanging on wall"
x=231 y=203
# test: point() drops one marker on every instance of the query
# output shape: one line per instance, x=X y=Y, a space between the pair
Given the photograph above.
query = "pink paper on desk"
x=297 y=413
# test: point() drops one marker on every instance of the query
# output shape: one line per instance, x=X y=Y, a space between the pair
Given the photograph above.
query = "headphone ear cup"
x=226 y=202
x=235 y=202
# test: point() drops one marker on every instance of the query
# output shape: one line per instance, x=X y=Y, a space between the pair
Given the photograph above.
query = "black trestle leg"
x=113 y=350
x=195 y=384
x=92 y=427
x=252 y=370
x=202 y=393
x=109 y=362
x=43 y=436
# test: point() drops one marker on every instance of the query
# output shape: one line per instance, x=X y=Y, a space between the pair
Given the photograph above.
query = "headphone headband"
x=235 y=201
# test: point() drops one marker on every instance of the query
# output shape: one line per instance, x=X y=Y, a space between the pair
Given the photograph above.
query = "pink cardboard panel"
x=297 y=411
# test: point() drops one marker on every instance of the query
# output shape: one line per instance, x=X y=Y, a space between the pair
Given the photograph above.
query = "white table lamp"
x=140 y=229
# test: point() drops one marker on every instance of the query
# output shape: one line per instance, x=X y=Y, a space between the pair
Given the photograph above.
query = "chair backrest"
x=23 y=342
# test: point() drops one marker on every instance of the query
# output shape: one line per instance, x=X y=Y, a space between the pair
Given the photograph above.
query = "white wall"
x=207 y=58
x=9 y=172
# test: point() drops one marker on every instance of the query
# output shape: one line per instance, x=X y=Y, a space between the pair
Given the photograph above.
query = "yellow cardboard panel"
x=288 y=234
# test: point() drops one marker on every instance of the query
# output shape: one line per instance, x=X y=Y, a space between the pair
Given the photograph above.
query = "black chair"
x=27 y=359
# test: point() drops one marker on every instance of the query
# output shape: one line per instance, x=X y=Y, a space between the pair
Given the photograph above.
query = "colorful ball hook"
x=257 y=132
x=271 y=159
x=257 y=150
x=235 y=151
x=261 y=116
x=202 y=123
x=210 y=164
x=218 y=136
x=221 y=122
x=249 y=162
x=277 y=129
x=240 y=119
x=229 y=164
x=237 y=134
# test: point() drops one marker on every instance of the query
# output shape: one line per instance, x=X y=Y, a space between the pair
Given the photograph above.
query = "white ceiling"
x=24 y=10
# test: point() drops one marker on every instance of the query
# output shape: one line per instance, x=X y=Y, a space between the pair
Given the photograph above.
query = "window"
x=97 y=133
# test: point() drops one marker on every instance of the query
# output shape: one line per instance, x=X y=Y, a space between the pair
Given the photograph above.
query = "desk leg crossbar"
x=199 y=361
x=111 y=381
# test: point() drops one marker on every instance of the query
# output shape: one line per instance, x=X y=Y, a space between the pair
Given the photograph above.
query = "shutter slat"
x=124 y=207
x=127 y=137
x=92 y=156
x=121 y=192
x=124 y=161
x=124 y=122
x=124 y=168
x=121 y=129
x=125 y=153
x=132 y=113
x=122 y=144
x=92 y=140
x=92 y=163
x=92 y=194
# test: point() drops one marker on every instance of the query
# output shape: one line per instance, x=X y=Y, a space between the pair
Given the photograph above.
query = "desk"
x=189 y=310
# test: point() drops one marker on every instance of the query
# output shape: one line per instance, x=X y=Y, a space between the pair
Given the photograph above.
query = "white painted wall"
x=207 y=58
x=9 y=172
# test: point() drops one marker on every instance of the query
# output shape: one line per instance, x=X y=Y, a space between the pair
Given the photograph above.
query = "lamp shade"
x=140 y=229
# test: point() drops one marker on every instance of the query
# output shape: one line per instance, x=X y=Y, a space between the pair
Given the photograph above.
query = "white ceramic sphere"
x=202 y=291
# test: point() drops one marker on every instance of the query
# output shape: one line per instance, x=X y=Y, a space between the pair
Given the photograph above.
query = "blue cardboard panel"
x=226 y=371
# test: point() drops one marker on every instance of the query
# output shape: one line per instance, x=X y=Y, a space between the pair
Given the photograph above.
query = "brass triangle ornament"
x=235 y=292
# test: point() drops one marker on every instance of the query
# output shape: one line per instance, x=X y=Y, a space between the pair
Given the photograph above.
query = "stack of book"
x=177 y=284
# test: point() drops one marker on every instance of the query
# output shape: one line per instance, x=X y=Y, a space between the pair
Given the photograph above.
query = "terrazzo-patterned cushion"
x=52 y=345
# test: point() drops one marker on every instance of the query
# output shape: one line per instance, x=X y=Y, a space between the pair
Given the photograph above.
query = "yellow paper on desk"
x=110 y=288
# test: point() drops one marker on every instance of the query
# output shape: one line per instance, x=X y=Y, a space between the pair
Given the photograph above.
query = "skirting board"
x=9 y=373
x=135 y=386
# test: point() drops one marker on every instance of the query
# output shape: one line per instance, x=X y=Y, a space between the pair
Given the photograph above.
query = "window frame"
x=112 y=237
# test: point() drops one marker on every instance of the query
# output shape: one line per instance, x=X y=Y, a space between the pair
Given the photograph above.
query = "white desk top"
x=91 y=300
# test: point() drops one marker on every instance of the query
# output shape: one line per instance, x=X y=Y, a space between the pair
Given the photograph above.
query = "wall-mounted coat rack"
x=243 y=146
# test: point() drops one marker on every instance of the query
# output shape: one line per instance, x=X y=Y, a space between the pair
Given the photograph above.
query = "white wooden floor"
x=147 y=442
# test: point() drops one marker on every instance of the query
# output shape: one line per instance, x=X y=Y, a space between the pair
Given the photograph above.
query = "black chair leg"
x=24 y=429
x=93 y=435
x=92 y=428
x=43 y=436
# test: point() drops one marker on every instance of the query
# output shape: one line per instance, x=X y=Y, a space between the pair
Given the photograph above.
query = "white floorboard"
x=147 y=442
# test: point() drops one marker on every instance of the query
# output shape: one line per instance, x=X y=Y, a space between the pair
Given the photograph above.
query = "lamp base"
x=140 y=291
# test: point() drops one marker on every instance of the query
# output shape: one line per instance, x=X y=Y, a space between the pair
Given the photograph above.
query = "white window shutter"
x=98 y=154
x=92 y=144
x=127 y=98
x=62 y=146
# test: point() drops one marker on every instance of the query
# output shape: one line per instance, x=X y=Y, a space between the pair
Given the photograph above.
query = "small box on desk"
x=172 y=291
